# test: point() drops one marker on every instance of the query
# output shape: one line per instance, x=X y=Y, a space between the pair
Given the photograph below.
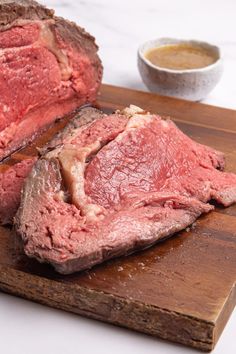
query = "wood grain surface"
x=182 y=289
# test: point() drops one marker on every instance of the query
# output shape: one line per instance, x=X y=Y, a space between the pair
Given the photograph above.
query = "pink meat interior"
x=154 y=157
x=42 y=78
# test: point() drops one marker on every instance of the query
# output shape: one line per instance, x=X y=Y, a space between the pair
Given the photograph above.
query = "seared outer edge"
x=80 y=40
x=85 y=116
x=31 y=186
x=22 y=9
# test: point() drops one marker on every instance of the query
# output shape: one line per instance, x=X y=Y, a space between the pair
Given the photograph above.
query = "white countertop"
x=119 y=27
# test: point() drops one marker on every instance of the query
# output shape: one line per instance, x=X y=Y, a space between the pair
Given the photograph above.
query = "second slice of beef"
x=110 y=185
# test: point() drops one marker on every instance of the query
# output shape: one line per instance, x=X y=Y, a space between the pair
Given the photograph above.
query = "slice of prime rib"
x=110 y=185
x=49 y=67
x=11 y=183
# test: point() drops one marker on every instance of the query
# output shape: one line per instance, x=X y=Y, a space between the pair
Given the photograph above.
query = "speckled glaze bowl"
x=190 y=84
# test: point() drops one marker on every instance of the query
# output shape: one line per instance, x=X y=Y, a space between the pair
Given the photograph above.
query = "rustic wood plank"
x=182 y=289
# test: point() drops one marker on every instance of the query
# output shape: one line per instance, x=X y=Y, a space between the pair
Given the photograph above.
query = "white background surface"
x=120 y=27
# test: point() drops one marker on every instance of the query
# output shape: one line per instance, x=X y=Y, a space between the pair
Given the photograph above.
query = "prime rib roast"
x=109 y=185
x=49 y=67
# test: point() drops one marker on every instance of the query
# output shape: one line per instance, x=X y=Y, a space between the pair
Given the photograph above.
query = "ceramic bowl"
x=190 y=84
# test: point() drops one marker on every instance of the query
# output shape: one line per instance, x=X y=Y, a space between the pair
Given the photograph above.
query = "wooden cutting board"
x=182 y=289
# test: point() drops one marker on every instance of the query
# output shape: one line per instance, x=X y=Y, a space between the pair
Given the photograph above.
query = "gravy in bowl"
x=180 y=56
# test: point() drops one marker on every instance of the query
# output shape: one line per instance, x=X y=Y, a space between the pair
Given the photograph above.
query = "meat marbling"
x=110 y=185
x=49 y=67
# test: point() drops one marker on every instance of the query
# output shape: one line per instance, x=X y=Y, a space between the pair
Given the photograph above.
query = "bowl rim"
x=176 y=41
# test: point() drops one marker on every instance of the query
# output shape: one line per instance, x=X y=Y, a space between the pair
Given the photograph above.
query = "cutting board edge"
x=108 y=86
x=225 y=314
x=152 y=320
